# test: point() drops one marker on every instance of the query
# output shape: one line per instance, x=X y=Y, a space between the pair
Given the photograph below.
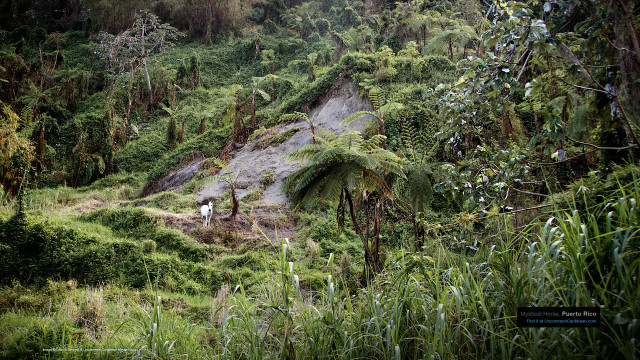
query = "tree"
x=450 y=33
x=414 y=190
x=564 y=67
x=300 y=116
x=147 y=36
x=382 y=106
x=232 y=180
x=233 y=104
x=255 y=90
x=335 y=168
x=172 y=136
x=172 y=133
x=16 y=155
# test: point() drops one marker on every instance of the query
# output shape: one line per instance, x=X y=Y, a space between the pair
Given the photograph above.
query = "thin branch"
x=602 y=147
x=626 y=120
x=562 y=161
x=587 y=75
x=528 y=192
x=523 y=67
x=585 y=87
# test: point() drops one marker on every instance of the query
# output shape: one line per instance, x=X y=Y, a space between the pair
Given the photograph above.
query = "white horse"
x=206 y=212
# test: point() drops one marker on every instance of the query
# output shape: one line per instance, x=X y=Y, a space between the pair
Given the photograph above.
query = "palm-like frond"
x=355 y=116
x=346 y=162
x=390 y=106
x=417 y=187
x=377 y=97
x=264 y=94
x=295 y=116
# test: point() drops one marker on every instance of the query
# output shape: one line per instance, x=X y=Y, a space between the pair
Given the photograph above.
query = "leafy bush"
x=127 y=222
x=39 y=251
x=141 y=154
x=208 y=144
x=174 y=241
x=113 y=181
x=325 y=233
x=323 y=26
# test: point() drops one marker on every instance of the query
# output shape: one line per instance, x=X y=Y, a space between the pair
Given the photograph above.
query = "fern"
x=295 y=116
x=580 y=121
x=377 y=97
x=353 y=117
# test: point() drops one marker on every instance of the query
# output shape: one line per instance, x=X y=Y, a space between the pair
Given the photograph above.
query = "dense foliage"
x=498 y=168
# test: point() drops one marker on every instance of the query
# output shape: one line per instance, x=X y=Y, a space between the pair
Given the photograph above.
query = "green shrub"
x=39 y=251
x=141 y=154
x=127 y=222
x=325 y=233
x=117 y=180
x=208 y=144
x=268 y=178
x=269 y=27
x=170 y=240
x=323 y=26
x=148 y=246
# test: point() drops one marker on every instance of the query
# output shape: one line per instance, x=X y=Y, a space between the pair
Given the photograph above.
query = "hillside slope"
x=260 y=156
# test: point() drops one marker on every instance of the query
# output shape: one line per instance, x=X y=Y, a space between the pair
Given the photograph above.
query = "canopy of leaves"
x=336 y=163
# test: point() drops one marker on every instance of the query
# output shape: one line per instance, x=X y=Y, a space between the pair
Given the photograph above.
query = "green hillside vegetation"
x=498 y=168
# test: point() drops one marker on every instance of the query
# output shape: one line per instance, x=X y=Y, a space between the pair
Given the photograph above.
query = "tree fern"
x=338 y=167
x=580 y=122
x=377 y=97
x=300 y=116
x=382 y=105
x=355 y=116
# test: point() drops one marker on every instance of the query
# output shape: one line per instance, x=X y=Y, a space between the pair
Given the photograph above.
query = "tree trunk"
x=234 y=203
x=313 y=132
x=376 y=229
x=312 y=75
x=40 y=149
x=253 y=110
x=369 y=264
x=144 y=62
x=365 y=204
x=146 y=73
x=629 y=57
x=181 y=134
x=415 y=231
x=450 y=49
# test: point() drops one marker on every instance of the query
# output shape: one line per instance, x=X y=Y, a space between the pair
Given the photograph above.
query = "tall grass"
x=421 y=309
x=422 y=305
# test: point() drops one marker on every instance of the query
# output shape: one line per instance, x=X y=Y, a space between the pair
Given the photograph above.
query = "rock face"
x=175 y=179
x=251 y=162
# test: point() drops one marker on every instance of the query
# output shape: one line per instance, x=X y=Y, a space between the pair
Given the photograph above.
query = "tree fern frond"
x=295 y=116
x=353 y=117
x=376 y=141
x=220 y=163
x=580 y=121
x=263 y=94
x=305 y=152
x=391 y=106
x=377 y=97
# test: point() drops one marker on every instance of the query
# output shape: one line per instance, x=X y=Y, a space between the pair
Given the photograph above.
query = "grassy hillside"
x=497 y=170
